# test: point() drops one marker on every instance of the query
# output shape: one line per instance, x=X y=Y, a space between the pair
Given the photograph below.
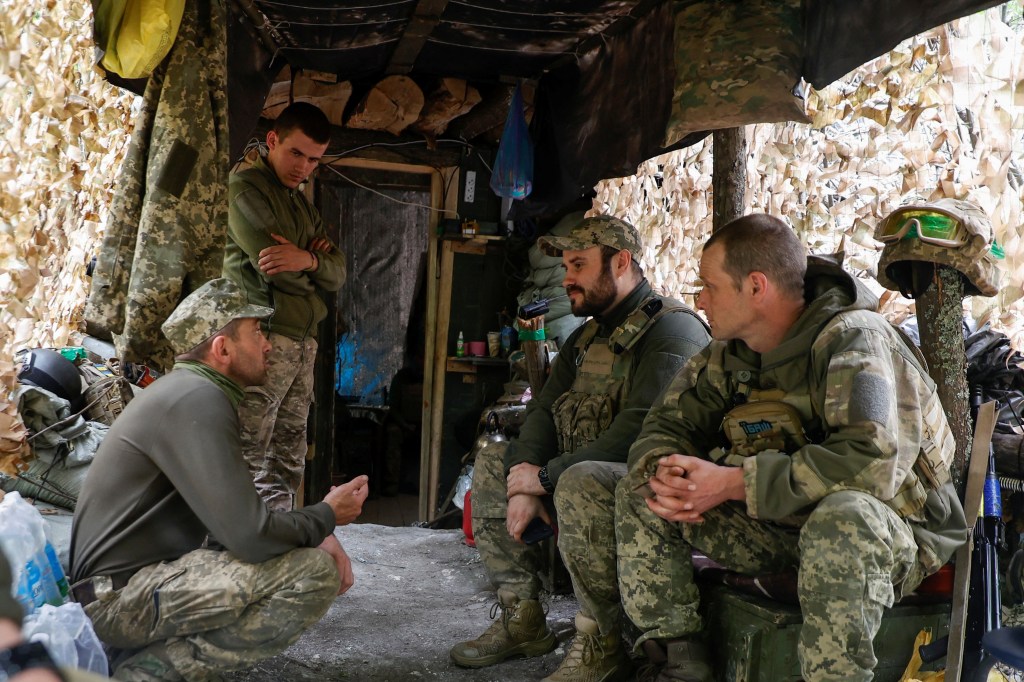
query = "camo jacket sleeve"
x=870 y=397
x=685 y=419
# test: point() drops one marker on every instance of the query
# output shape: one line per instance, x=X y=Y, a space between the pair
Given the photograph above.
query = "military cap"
x=951 y=232
x=601 y=230
x=206 y=311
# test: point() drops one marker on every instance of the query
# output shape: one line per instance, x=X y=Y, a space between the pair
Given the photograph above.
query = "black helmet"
x=49 y=369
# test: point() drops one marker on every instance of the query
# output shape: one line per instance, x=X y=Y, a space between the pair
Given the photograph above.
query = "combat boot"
x=675 y=660
x=593 y=657
x=520 y=630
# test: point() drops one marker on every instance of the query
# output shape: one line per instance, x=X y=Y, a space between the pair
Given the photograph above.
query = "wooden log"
x=940 y=320
x=452 y=98
x=393 y=105
x=729 y=175
x=489 y=114
x=1009 y=449
x=315 y=87
x=280 y=94
x=379 y=146
x=536 y=353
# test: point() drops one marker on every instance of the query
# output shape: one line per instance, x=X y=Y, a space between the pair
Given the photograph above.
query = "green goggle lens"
x=928 y=227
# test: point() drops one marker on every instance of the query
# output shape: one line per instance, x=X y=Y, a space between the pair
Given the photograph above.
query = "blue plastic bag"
x=513 y=166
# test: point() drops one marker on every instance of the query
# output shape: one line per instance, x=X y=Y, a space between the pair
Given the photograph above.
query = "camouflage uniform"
x=863 y=507
x=589 y=411
x=167 y=486
x=165 y=233
x=273 y=416
x=215 y=612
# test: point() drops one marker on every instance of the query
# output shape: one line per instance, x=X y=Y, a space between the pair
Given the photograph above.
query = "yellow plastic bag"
x=136 y=35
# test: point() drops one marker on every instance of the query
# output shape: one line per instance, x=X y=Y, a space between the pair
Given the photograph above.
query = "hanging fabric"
x=135 y=35
x=168 y=218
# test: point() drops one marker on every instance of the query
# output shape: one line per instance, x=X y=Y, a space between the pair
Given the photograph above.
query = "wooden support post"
x=940 y=321
x=430 y=459
x=729 y=175
x=435 y=356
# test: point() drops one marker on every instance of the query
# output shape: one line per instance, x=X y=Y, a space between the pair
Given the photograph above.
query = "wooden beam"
x=264 y=29
x=435 y=369
x=436 y=421
x=424 y=18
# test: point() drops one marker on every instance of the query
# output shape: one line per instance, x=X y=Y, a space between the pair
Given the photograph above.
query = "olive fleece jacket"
x=659 y=354
x=169 y=472
x=259 y=205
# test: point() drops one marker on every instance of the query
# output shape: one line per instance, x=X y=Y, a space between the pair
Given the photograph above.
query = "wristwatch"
x=26 y=656
x=545 y=482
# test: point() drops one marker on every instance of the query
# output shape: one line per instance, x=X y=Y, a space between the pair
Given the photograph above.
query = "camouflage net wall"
x=63 y=132
x=938 y=116
x=941 y=115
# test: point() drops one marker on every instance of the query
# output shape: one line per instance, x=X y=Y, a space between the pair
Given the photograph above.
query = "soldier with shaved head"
x=806 y=437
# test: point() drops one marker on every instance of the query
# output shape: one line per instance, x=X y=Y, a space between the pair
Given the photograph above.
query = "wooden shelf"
x=469 y=364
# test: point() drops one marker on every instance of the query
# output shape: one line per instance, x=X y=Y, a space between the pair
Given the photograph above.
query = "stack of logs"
x=395 y=104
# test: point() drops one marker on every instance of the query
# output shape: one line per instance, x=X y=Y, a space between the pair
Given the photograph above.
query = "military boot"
x=675 y=660
x=519 y=630
x=593 y=657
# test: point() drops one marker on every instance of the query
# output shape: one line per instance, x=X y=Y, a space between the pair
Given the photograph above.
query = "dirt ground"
x=417 y=592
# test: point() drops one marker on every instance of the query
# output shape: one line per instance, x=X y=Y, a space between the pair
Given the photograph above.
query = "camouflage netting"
x=939 y=116
x=63 y=134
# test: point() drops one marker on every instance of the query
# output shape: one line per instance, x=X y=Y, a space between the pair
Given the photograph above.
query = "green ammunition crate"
x=754 y=639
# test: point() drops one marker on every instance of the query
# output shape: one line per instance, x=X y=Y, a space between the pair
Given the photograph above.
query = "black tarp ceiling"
x=604 y=69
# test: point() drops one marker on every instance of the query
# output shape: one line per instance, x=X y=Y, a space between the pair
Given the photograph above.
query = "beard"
x=599 y=298
x=250 y=371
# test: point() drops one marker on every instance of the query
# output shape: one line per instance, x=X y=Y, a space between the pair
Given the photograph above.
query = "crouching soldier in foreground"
x=806 y=436
x=174 y=556
x=604 y=380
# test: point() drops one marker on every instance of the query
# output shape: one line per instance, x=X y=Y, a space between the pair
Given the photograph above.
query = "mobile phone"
x=536 y=531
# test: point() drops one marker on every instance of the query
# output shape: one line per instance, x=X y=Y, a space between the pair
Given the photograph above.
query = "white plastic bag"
x=462 y=485
x=68 y=635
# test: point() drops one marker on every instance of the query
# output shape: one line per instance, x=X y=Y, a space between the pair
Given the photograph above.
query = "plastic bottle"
x=460 y=347
x=16 y=543
x=38 y=572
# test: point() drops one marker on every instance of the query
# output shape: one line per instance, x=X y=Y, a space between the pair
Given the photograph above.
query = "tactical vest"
x=603 y=372
x=773 y=421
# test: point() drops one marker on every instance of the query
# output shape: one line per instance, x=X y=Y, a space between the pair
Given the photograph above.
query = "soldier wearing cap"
x=174 y=556
x=604 y=380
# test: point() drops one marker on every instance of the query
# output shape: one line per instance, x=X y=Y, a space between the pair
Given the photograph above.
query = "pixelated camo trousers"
x=272 y=419
x=511 y=565
x=855 y=558
x=208 y=612
x=585 y=501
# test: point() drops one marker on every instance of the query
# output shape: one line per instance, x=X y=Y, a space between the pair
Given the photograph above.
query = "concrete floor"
x=417 y=592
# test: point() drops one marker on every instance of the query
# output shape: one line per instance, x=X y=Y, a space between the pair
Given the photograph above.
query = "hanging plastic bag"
x=513 y=166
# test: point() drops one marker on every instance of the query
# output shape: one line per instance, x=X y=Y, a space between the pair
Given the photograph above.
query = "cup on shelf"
x=494 y=344
x=476 y=348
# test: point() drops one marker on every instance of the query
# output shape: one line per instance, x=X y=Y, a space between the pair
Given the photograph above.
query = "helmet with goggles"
x=949 y=232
